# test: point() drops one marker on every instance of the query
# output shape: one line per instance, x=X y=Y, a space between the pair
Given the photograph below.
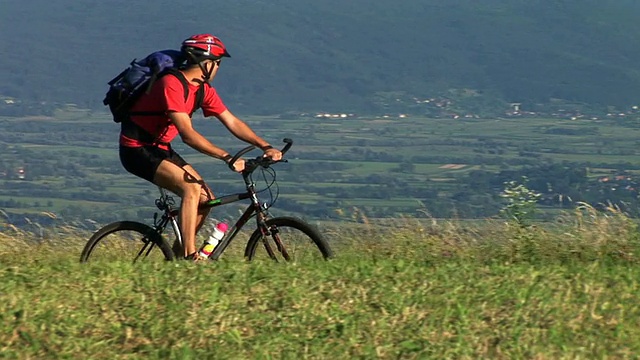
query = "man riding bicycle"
x=162 y=113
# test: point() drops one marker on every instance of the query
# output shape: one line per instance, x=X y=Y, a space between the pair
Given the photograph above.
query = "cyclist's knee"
x=191 y=191
x=206 y=194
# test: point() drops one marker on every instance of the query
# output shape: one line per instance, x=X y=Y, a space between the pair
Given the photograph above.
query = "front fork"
x=271 y=232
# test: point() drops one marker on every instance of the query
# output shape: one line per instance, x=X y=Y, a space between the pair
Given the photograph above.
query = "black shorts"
x=144 y=161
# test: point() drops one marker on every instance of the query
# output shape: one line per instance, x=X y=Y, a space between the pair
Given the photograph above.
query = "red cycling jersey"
x=166 y=96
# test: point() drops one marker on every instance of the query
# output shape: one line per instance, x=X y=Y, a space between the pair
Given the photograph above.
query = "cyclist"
x=145 y=149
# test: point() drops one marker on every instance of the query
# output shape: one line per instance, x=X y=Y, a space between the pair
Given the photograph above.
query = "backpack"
x=138 y=78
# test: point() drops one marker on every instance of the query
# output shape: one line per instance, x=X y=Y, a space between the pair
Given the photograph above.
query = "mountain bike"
x=287 y=238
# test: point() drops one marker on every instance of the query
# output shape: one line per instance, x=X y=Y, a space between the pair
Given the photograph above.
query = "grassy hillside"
x=421 y=289
x=332 y=55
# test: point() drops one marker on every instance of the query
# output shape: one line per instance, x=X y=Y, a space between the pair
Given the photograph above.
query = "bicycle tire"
x=145 y=233
x=276 y=227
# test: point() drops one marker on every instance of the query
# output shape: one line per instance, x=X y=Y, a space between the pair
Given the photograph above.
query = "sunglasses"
x=217 y=62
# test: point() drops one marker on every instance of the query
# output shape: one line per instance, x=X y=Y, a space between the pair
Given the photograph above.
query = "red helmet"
x=204 y=47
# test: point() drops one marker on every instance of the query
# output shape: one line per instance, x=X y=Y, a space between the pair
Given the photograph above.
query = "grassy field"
x=408 y=289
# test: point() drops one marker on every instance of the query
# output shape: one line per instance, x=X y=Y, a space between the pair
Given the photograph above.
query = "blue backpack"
x=138 y=78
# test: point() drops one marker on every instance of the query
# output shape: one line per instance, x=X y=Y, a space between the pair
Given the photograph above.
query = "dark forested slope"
x=331 y=54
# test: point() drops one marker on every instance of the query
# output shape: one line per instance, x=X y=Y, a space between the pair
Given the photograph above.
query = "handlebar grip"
x=239 y=155
x=286 y=148
x=249 y=148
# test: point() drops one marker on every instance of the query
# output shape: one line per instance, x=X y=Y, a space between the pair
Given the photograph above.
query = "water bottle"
x=213 y=240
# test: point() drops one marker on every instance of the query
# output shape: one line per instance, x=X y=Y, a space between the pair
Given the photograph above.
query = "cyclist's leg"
x=168 y=170
x=143 y=161
x=195 y=184
x=205 y=195
x=175 y=179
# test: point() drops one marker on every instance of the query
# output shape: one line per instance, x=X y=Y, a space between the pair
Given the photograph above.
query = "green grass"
x=399 y=288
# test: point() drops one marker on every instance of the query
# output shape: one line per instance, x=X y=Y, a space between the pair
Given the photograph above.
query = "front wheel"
x=126 y=240
x=290 y=239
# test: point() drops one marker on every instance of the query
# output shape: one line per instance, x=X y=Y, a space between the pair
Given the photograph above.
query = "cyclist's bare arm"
x=243 y=132
x=194 y=139
x=191 y=137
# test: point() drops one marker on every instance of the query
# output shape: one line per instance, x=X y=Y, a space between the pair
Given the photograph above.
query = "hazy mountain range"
x=333 y=54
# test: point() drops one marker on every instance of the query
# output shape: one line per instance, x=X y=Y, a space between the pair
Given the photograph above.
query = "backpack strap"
x=134 y=131
x=185 y=85
x=199 y=97
x=180 y=76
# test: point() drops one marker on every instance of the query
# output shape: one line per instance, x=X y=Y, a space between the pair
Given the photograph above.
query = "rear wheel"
x=288 y=239
x=124 y=240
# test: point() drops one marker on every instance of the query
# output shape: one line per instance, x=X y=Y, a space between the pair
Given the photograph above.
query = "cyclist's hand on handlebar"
x=273 y=154
x=238 y=166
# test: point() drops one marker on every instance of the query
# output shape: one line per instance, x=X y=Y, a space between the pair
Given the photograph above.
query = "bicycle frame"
x=170 y=215
x=165 y=203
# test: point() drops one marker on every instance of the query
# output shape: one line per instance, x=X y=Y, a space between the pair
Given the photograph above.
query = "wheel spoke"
x=294 y=239
x=147 y=243
x=126 y=241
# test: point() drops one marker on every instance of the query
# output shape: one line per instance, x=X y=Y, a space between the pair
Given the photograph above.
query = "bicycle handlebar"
x=252 y=164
